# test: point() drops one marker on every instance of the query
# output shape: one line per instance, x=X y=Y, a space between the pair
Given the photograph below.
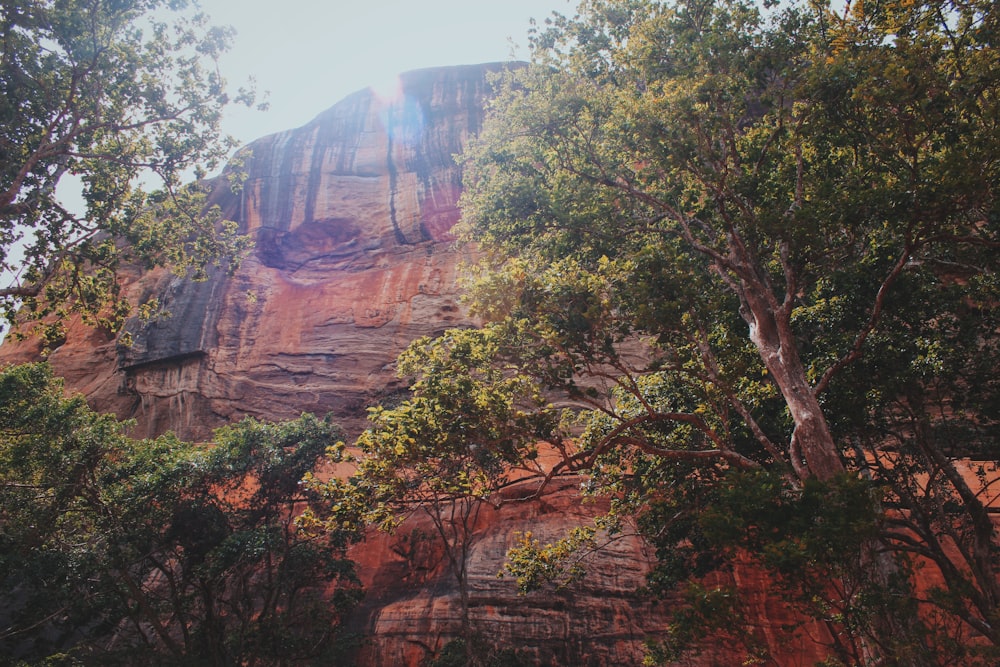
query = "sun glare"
x=388 y=91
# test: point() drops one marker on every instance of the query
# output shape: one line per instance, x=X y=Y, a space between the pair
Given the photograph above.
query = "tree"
x=121 y=96
x=159 y=552
x=468 y=430
x=754 y=240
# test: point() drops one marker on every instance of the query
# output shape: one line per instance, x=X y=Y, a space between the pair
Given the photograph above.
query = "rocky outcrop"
x=354 y=259
x=413 y=609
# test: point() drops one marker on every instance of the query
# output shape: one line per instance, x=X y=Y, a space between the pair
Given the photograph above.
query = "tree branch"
x=859 y=341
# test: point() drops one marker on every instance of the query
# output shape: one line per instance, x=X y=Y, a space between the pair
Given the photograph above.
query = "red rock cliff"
x=353 y=259
x=351 y=215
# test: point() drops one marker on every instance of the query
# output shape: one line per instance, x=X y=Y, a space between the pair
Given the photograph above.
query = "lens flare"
x=388 y=91
x=402 y=115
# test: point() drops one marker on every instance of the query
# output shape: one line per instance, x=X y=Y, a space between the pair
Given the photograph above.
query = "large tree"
x=127 y=98
x=116 y=551
x=755 y=244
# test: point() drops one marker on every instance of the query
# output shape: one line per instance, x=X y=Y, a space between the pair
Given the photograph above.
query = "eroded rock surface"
x=413 y=608
x=354 y=259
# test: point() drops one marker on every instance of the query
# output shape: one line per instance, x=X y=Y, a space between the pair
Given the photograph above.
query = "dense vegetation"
x=101 y=100
x=116 y=551
x=740 y=269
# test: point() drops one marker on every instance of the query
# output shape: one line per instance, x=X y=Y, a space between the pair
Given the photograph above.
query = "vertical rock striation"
x=351 y=215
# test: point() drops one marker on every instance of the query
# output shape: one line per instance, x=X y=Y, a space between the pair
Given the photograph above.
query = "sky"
x=309 y=54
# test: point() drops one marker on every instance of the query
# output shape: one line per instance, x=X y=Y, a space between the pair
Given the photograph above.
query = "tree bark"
x=811 y=449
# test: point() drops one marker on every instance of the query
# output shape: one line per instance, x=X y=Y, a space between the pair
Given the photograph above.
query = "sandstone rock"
x=413 y=605
x=354 y=259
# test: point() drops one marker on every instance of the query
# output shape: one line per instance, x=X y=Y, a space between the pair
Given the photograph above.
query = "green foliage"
x=456 y=654
x=714 y=611
x=535 y=565
x=750 y=251
x=468 y=419
x=792 y=530
x=157 y=551
x=120 y=97
x=702 y=142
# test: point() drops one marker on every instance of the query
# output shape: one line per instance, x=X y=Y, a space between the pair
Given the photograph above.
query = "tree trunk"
x=812 y=451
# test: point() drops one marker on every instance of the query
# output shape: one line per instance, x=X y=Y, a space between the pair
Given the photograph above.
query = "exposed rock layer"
x=600 y=621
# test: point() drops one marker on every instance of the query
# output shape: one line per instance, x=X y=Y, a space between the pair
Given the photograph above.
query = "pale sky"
x=312 y=53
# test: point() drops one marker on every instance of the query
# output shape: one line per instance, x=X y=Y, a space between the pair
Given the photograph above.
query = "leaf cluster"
x=123 y=551
x=120 y=101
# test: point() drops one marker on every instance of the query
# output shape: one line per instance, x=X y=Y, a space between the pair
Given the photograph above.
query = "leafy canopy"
x=745 y=243
x=116 y=551
x=111 y=98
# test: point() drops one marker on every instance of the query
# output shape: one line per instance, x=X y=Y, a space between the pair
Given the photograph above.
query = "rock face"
x=413 y=609
x=351 y=214
x=354 y=259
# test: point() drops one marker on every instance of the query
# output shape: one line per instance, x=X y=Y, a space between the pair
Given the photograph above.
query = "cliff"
x=354 y=259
